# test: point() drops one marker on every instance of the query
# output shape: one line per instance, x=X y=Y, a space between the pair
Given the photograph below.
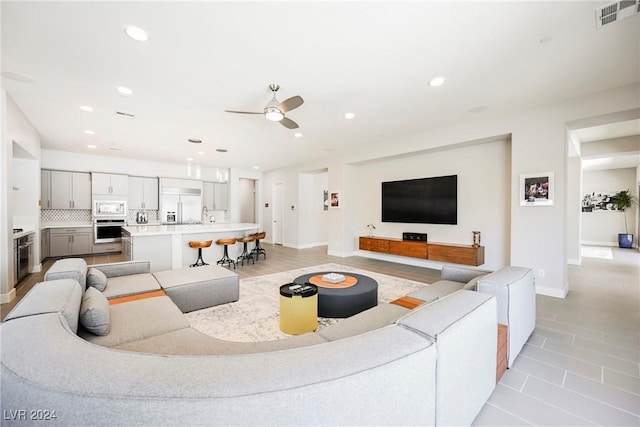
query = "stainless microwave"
x=109 y=209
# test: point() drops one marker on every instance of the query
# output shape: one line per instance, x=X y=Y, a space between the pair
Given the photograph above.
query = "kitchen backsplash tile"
x=151 y=215
x=64 y=215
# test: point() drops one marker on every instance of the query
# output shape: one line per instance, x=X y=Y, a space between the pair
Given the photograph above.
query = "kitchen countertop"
x=215 y=227
x=26 y=231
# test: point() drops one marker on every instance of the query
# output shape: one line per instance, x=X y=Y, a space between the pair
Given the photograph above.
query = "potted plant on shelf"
x=623 y=201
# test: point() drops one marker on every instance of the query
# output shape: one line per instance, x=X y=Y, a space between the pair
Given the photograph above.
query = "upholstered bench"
x=197 y=288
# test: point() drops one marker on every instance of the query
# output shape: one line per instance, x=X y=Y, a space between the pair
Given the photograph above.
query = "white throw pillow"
x=94 y=312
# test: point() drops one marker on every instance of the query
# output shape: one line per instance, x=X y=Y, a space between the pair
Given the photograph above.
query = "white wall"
x=574 y=216
x=602 y=227
x=314 y=220
x=18 y=132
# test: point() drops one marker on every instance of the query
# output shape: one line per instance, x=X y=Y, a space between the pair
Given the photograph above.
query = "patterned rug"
x=254 y=317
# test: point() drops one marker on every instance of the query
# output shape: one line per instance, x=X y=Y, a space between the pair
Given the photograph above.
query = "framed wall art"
x=536 y=189
x=334 y=200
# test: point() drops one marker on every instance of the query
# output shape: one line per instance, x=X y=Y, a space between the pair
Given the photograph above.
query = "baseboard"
x=596 y=243
x=572 y=261
x=8 y=297
x=553 y=292
x=341 y=254
x=312 y=245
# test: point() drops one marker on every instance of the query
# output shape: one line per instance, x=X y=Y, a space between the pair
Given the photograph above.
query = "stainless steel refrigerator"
x=181 y=205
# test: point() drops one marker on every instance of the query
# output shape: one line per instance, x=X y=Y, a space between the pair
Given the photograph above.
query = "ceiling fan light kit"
x=275 y=110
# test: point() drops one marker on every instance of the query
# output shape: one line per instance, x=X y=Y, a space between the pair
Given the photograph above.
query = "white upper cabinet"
x=143 y=193
x=215 y=196
x=69 y=190
x=109 y=184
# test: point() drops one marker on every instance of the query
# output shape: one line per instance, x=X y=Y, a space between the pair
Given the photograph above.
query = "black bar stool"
x=205 y=244
x=257 y=250
x=245 y=254
x=225 y=258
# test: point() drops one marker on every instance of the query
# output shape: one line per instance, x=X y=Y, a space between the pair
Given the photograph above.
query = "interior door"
x=277 y=214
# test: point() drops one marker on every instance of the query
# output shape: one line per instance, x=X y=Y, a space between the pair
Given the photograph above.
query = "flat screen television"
x=421 y=201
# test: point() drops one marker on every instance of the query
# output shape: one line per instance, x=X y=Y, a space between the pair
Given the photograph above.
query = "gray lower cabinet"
x=104 y=248
x=70 y=241
x=44 y=244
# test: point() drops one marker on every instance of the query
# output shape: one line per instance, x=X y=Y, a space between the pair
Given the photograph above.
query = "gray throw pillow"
x=97 y=279
x=94 y=312
x=472 y=285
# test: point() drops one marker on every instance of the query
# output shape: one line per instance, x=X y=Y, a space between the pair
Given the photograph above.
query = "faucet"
x=205 y=213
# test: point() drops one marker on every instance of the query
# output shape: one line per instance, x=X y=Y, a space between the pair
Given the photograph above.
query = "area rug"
x=596 y=252
x=255 y=316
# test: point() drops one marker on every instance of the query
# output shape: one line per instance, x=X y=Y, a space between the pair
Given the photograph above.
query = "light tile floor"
x=580 y=367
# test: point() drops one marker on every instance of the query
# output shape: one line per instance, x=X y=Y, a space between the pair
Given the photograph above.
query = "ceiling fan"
x=275 y=110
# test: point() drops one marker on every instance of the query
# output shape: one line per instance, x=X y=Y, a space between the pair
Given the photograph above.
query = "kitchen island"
x=166 y=247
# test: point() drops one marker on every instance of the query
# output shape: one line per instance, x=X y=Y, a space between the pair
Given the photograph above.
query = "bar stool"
x=205 y=244
x=257 y=250
x=245 y=255
x=225 y=258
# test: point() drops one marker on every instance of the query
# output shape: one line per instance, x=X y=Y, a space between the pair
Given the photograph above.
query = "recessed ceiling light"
x=256 y=167
x=115 y=148
x=297 y=135
x=124 y=91
x=86 y=108
x=201 y=152
x=189 y=159
x=221 y=150
x=479 y=109
x=349 y=115
x=92 y=146
x=436 y=81
x=195 y=141
x=136 y=33
x=89 y=132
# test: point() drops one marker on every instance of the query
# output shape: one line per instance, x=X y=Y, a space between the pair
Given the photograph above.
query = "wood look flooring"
x=580 y=367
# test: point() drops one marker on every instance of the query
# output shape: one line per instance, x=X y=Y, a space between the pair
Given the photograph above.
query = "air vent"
x=616 y=11
x=123 y=114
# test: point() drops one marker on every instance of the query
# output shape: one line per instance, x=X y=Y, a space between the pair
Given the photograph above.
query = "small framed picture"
x=536 y=189
x=334 y=199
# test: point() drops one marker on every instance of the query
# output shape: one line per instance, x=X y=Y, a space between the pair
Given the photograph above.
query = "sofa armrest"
x=514 y=288
x=460 y=274
x=126 y=268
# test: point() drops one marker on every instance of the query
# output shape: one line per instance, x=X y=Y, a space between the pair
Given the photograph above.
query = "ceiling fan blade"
x=288 y=123
x=242 y=112
x=290 y=104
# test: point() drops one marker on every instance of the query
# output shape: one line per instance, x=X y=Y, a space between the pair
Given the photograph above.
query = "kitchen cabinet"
x=44 y=244
x=215 y=196
x=45 y=189
x=109 y=184
x=70 y=190
x=70 y=241
x=143 y=193
x=180 y=183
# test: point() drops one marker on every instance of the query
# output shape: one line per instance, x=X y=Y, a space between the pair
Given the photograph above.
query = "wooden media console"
x=444 y=252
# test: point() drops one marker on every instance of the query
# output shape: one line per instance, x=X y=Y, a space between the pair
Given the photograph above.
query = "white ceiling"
x=370 y=58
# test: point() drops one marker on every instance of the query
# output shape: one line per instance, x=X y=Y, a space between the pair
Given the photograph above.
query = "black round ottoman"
x=344 y=302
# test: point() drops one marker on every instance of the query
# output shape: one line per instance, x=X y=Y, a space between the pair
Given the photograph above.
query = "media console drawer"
x=458 y=254
x=374 y=244
x=408 y=248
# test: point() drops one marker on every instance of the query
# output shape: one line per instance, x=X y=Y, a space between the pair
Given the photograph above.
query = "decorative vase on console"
x=371 y=227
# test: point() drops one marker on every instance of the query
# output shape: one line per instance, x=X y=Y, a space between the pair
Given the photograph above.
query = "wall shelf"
x=444 y=252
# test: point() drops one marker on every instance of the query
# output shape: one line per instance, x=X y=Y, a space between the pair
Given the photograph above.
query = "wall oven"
x=108 y=230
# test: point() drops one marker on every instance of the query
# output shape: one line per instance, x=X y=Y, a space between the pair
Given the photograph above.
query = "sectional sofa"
x=433 y=365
